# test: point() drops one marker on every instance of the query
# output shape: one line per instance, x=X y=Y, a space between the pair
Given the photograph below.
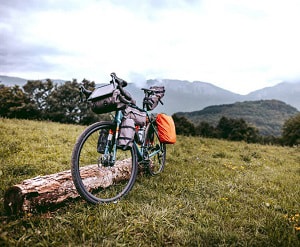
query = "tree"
x=38 y=92
x=13 y=102
x=236 y=130
x=183 y=126
x=224 y=127
x=63 y=104
x=291 y=131
x=205 y=129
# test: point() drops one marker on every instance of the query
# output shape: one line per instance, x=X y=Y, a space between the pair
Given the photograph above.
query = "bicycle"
x=102 y=170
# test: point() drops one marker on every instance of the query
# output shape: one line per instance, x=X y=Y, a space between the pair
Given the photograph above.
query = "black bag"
x=105 y=99
x=151 y=100
x=139 y=117
x=126 y=133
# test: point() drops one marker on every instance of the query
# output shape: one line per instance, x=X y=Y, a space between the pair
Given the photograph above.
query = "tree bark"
x=51 y=190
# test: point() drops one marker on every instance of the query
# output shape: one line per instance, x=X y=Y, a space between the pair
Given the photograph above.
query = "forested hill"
x=268 y=116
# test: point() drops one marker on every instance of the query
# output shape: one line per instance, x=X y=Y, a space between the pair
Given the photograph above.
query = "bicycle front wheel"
x=155 y=149
x=100 y=172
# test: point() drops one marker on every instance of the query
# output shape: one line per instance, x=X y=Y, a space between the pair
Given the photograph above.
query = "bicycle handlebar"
x=125 y=96
x=85 y=92
x=118 y=80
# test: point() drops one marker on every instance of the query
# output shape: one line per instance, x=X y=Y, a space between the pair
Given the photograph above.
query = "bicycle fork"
x=109 y=156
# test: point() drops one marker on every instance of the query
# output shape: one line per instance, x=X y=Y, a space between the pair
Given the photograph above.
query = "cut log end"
x=13 y=200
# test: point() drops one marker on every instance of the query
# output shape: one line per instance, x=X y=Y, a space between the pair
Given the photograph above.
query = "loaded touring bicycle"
x=107 y=155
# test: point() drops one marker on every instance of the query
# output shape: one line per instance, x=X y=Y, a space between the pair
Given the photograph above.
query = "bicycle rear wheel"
x=156 y=150
x=97 y=177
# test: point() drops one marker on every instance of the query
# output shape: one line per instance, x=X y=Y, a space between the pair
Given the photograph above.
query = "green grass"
x=212 y=193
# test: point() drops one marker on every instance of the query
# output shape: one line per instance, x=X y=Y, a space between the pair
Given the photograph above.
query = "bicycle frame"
x=142 y=151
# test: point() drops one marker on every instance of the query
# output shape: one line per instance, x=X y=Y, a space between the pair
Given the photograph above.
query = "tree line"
x=239 y=130
x=45 y=100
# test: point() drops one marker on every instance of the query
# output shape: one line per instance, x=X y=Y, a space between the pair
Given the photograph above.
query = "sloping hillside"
x=268 y=116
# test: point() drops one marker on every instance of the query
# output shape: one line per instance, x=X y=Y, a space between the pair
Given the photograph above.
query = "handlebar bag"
x=105 y=99
x=126 y=133
x=166 y=128
x=139 y=117
x=152 y=98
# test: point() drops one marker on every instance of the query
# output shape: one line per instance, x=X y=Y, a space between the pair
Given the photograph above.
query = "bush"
x=13 y=102
x=236 y=130
x=291 y=131
x=183 y=126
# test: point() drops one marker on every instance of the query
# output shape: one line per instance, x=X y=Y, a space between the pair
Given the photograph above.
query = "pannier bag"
x=126 y=133
x=105 y=99
x=166 y=128
x=139 y=117
x=151 y=101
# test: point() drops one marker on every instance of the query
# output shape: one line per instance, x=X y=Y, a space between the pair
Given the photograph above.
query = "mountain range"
x=185 y=96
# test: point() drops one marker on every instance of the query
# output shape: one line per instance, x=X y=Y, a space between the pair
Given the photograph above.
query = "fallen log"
x=51 y=190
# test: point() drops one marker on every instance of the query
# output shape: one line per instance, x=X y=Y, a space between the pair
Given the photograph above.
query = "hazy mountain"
x=268 y=116
x=11 y=81
x=285 y=91
x=186 y=96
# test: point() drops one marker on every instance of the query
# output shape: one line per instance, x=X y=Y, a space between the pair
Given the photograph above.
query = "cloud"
x=21 y=50
x=17 y=54
x=240 y=46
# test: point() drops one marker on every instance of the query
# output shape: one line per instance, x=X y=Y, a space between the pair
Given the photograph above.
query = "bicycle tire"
x=109 y=183
x=153 y=145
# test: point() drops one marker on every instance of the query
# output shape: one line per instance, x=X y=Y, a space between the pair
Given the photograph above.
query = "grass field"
x=212 y=193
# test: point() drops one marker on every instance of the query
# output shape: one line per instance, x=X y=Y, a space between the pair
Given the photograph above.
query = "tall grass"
x=212 y=193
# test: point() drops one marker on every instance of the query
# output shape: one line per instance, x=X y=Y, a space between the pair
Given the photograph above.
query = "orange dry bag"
x=166 y=128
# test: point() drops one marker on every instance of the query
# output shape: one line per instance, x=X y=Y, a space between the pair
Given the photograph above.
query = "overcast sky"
x=239 y=45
